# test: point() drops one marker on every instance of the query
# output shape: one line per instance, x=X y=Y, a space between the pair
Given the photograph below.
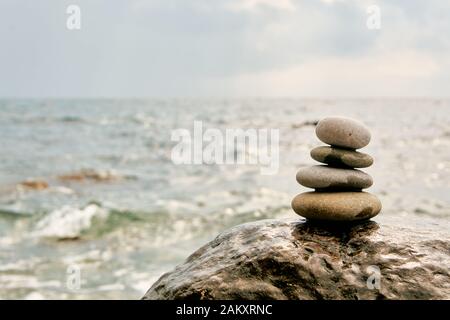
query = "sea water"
x=113 y=212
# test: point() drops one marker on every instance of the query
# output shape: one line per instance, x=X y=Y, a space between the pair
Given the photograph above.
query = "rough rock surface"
x=295 y=259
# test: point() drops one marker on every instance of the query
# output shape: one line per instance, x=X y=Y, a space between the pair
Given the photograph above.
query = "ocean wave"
x=168 y=222
x=47 y=119
x=69 y=222
x=94 y=221
x=90 y=221
x=11 y=213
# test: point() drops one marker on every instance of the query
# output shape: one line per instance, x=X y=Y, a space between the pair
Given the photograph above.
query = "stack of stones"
x=338 y=194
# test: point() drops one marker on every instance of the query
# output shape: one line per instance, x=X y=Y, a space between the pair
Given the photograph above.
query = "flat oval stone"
x=343 y=132
x=336 y=206
x=320 y=177
x=341 y=157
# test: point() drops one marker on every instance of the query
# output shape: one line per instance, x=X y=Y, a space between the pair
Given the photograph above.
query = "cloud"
x=256 y=5
x=405 y=73
x=224 y=47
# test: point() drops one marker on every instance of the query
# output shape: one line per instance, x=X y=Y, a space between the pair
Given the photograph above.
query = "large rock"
x=295 y=259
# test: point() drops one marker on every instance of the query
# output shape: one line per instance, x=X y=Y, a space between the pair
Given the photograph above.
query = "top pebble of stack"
x=343 y=132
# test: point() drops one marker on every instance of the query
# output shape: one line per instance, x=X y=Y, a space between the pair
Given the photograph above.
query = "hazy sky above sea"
x=224 y=48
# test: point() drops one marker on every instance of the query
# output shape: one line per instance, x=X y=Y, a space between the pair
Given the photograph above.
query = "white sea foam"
x=69 y=222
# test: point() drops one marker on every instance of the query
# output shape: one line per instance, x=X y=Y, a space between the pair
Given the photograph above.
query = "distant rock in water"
x=89 y=174
x=294 y=259
x=34 y=184
x=308 y=123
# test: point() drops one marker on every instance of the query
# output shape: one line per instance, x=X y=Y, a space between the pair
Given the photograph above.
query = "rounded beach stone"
x=320 y=177
x=343 y=132
x=336 y=206
x=341 y=157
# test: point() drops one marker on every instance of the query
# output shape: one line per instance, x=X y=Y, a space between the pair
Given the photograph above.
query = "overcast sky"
x=224 y=48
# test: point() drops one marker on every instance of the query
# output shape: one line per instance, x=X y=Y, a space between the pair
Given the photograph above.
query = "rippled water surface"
x=89 y=184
